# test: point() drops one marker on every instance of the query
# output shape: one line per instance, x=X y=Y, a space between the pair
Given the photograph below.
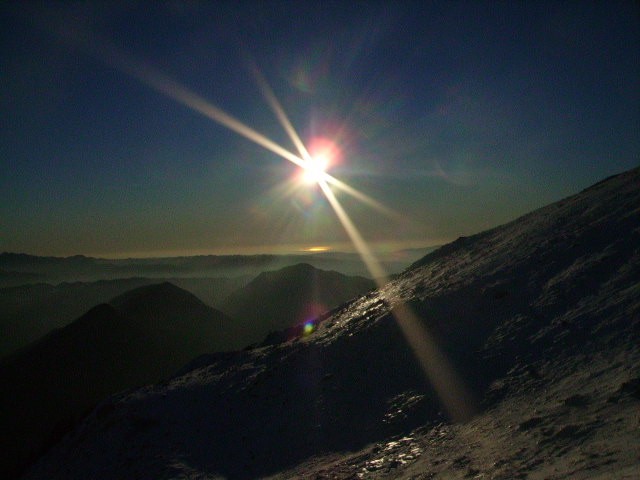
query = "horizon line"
x=272 y=250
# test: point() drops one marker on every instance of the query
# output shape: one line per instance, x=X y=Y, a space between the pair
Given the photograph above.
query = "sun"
x=315 y=170
x=323 y=154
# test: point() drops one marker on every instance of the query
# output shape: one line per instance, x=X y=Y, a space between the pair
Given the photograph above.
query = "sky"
x=456 y=116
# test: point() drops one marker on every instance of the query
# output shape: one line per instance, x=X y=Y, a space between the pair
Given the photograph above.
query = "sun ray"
x=362 y=197
x=275 y=105
x=112 y=56
x=361 y=246
x=453 y=393
x=172 y=89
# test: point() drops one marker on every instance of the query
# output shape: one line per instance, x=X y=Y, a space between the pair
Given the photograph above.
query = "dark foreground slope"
x=141 y=337
x=541 y=317
x=287 y=297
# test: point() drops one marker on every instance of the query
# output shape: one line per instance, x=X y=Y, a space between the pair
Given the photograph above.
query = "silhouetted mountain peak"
x=301 y=267
x=283 y=298
x=162 y=292
x=162 y=301
x=301 y=272
x=288 y=272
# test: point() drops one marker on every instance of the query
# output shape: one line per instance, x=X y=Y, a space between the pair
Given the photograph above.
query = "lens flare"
x=308 y=328
x=457 y=400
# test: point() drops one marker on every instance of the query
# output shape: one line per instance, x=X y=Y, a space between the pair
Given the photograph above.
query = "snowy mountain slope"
x=578 y=421
x=541 y=318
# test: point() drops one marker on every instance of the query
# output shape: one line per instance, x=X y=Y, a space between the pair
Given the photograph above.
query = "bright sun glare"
x=315 y=170
x=321 y=155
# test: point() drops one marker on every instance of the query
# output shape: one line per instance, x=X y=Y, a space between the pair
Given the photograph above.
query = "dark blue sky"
x=458 y=115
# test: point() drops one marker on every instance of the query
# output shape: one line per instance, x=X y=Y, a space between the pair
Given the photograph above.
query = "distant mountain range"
x=19 y=268
x=528 y=333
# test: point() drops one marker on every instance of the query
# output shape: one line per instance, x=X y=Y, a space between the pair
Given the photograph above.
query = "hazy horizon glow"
x=382 y=248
